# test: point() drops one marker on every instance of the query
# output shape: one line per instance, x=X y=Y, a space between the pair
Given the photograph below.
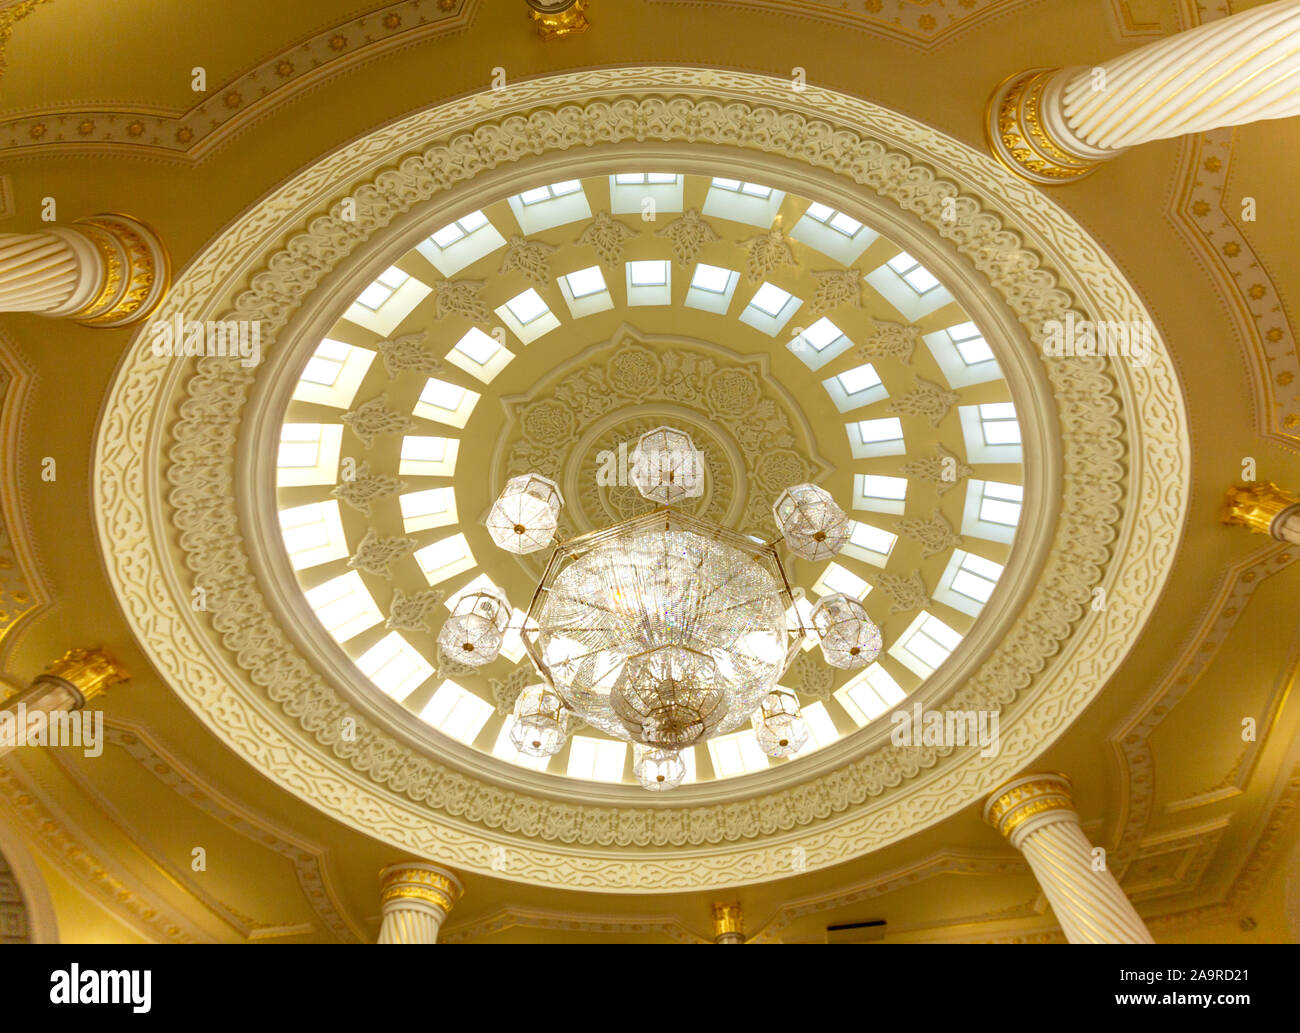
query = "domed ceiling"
x=545 y=332
x=816 y=288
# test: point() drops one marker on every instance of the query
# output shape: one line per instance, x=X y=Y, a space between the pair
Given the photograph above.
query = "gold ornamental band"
x=557 y=24
x=1014 y=127
x=89 y=671
x=1008 y=809
x=418 y=884
x=728 y=918
x=1256 y=505
x=132 y=294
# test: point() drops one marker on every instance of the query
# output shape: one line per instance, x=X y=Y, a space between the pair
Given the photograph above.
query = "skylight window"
x=1000 y=503
x=504 y=748
x=740 y=187
x=999 y=424
x=550 y=192
x=870 y=694
x=395 y=666
x=457 y=712
x=460 y=229
x=529 y=306
x=770 y=309
x=528 y=316
x=313 y=534
x=635 y=178
x=597 y=760
x=821 y=727
x=837 y=221
x=426 y=455
x=858 y=379
x=925 y=645
x=968 y=582
x=870 y=543
x=308 y=453
x=970 y=343
x=441 y=395
x=326 y=364
x=882 y=437
x=434 y=507
x=991 y=431
x=736 y=754
x=344 y=606
x=770 y=299
x=913 y=273
x=820 y=343
x=647 y=274
x=445 y=558
x=581 y=284
x=480 y=355
x=383 y=288
x=837 y=579
x=712 y=278
x=878 y=494
x=478 y=346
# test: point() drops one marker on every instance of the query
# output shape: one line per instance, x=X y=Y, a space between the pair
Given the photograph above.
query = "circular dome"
x=1030 y=468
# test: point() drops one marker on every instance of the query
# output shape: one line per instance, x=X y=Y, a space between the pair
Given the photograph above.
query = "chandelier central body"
x=664 y=629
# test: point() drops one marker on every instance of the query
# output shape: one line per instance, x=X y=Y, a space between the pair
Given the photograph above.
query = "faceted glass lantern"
x=666 y=467
x=669 y=697
x=524 y=517
x=849 y=637
x=814 y=527
x=657 y=770
x=779 y=725
x=539 y=728
x=476 y=628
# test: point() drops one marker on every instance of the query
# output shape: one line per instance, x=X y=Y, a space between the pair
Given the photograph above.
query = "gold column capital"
x=1018 y=135
x=89 y=671
x=556 y=19
x=1256 y=505
x=1017 y=800
x=419 y=883
x=136 y=270
x=728 y=923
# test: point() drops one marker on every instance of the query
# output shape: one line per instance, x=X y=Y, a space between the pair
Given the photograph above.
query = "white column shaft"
x=401 y=925
x=1238 y=69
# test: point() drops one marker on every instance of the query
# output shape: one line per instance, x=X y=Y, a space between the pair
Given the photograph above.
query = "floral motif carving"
x=926 y=399
x=460 y=298
x=934 y=533
x=890 y=340
x=688 y=235
x=836 y=287
x=365 y=488
x=375 y=417
x=943 y=469
x=530 y=257
x=376 y=553
x=608 y=236
x=908 y=591
x=406 y=354
x=767 y=251
x=407 y=612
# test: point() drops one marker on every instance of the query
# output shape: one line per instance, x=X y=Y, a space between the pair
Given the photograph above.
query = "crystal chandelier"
x=663 y=630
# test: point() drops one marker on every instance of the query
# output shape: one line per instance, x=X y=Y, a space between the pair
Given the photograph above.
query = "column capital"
x=419 y=885
x=556 y=19
x=88 y=671
x=136 y=270
x=1258 y=506
x=1028 y=802
x=1025 y=134
x=728 y=923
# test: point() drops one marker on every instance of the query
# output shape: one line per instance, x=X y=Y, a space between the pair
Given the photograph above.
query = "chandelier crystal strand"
x=474 y=632
x=813 y=526
x=849 y=638
x=779 y=724
x=540 y=722
x=524 y=518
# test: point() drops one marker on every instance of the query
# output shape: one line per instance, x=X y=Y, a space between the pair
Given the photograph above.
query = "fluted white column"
x=1052 y=125
x=105 y=270
x=72 y=681
x=1036 y=814
x=415 y=898
x=1264 y=508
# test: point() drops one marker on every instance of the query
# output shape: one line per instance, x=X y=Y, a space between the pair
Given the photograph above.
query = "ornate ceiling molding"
x=226 y=111
x=1118 y=521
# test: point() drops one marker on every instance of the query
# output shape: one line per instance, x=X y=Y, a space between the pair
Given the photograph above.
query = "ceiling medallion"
x=665 y=629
